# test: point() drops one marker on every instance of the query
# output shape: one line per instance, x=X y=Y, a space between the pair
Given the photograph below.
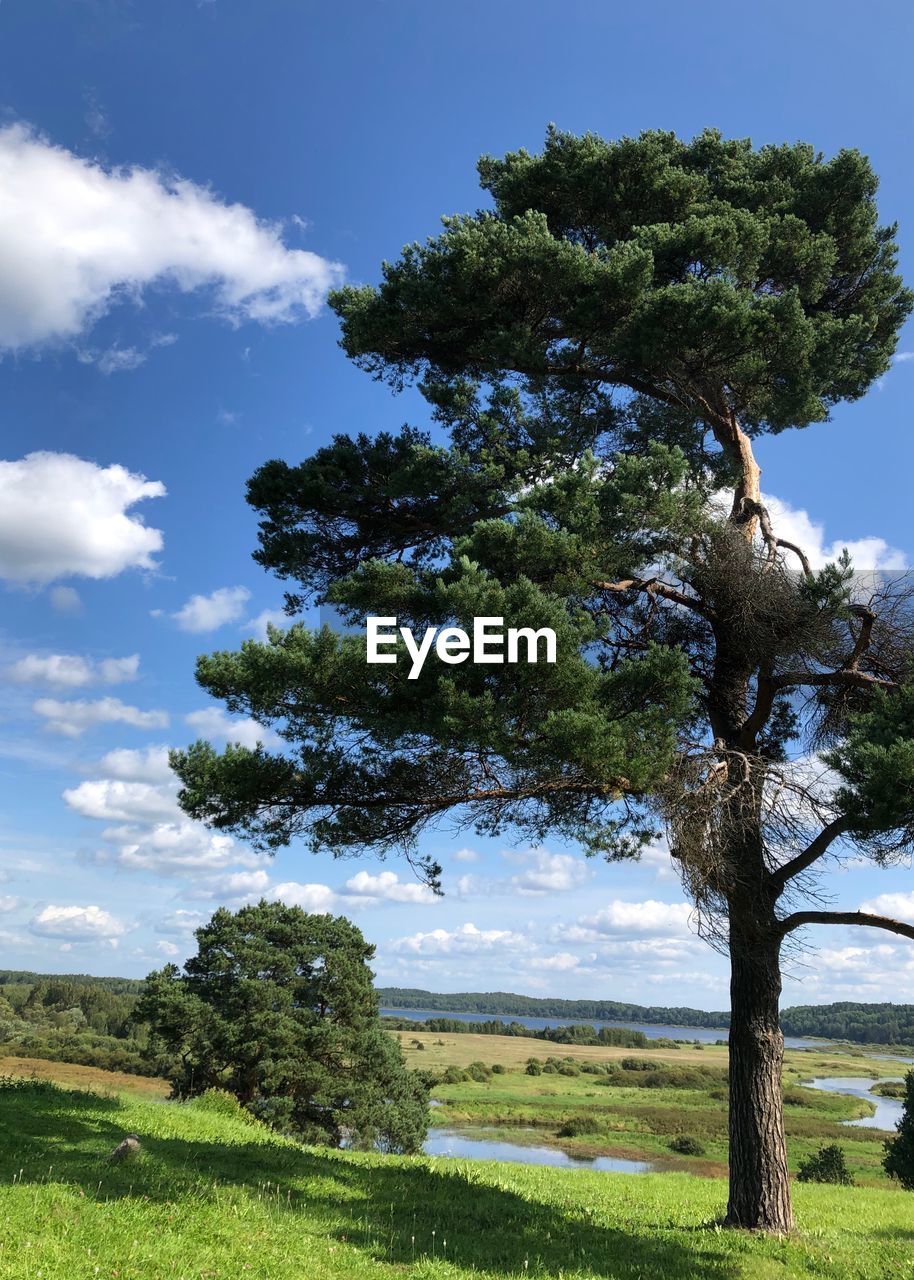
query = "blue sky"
x=179 y=183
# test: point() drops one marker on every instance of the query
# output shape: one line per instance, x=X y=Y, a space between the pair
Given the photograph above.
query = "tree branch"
x=800 y=918
x=653 y=587
x=811 y=853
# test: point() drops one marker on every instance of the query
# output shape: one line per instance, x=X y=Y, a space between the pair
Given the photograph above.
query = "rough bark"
x=759 y=1182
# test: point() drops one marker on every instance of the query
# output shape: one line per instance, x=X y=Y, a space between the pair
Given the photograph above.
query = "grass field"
x=212 y=1196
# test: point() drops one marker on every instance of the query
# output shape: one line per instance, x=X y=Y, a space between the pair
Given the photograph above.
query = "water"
x=653 y=1031
x=888 y=1110
x=467 y=1145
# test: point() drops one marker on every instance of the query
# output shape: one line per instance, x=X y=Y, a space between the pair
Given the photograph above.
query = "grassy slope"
x=212 y=1196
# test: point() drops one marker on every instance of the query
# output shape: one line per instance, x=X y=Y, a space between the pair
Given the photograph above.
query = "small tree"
x=601 y=348
x=827 y=1165
x=898 y=1161
x=278 y=1008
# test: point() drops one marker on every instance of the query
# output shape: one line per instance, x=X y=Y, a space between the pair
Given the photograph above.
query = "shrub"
x=534 y=1067
x=827 y=1165
x=569 y=1069
x=578 y=1126
x=498 y=1069
x=453 y=1075
x=221 y=1103
x=686 y=1145
x=899 y=1151
x=479 y=1072
x=638 y=1064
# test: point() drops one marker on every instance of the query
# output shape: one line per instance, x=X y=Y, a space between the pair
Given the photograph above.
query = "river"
x=653 y=1031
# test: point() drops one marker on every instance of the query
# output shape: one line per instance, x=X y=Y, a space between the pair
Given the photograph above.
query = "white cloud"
x=317 y=898
x=206 y=613
x=147 y=765
x=267 y=618
x=212 y=722
x=86 y=923
x=900 y=906
x=647 y=919
x=562 y=961
x=546 y=872
x=71 y=671
x=796 y=525
x=168 y=949
x=61 y=515
x=386 y=886
x=65 y=600
x=76 y=237
x=466 y=855
x=181 y=922
x=176 y=848
x=74 y=718
x=464 y=940
x=238 y=884
x=110 y=800
x=8 y=902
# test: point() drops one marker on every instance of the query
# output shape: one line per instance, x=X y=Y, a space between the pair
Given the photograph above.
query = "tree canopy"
x=278 y=1008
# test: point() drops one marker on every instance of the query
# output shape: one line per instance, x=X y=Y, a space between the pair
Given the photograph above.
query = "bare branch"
x=801 y=918
x=654 y=587
x=813 y=851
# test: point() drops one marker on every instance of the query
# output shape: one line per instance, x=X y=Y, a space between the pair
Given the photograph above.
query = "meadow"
x=213 y=1194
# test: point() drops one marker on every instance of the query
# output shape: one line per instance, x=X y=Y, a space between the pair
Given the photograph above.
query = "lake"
x=653 y=1031
x=888 y=1110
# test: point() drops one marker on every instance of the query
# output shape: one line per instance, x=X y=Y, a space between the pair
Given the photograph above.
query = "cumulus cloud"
x=77 y=923
x=212 y=722
x=206 y=613
x=900 y=906
x=167 y=949
x=545 y=872
x=110 y=800
x=319 y=898
x=466 y=855
x=178 y=848
x=464 y=940
x=75 y=237
x=796 y=525
x=75 y=717
x=267 y=618
x=71 y=671
x=648 y=919
x=61 y=515
x=150 y=764
x=181 y=922
x=386 y=886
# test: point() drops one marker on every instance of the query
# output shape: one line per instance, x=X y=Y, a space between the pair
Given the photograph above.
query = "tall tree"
x=599 y=351
x=278 y=1008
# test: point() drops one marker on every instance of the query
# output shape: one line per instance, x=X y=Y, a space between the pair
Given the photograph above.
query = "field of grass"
x=78 y=1077
x=210 y=1195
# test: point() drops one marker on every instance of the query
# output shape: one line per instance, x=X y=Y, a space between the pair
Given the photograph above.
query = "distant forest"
x=78 y=1018
x=859 y=1023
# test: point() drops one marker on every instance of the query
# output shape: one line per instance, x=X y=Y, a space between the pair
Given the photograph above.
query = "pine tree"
x=599 y=351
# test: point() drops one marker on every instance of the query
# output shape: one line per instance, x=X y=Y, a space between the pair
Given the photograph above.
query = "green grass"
x=213 y=1196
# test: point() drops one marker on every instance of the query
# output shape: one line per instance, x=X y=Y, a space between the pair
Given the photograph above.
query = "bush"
x=686 y=1145
x=499 y=1069
x=899 y=1151
x=534 y=1067
x=479 y=1072
x=638 y=1064
x=453 y=1075
x=569 y=1069
x=578 y=1126
x=827 y=1165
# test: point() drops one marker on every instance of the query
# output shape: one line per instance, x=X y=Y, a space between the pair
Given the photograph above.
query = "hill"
x=213 y=1194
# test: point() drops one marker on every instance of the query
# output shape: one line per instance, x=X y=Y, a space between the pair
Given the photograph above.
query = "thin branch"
x=801 y=918
x=811 y=853
x=653 y=587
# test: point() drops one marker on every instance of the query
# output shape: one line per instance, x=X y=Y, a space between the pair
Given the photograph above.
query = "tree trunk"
x=759 y=1183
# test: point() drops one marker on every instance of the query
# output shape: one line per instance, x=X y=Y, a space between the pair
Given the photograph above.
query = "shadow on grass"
x=395 y=1211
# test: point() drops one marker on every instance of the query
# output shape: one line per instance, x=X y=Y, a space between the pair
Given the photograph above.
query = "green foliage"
x=277 y=1009
x=580 y=1126
x=899 y=1151
x=827 y=1165
x=685 y=1145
